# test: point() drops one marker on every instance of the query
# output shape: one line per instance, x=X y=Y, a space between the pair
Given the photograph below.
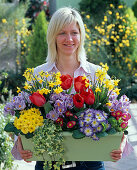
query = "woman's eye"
x=62 y=33
x=75 y=33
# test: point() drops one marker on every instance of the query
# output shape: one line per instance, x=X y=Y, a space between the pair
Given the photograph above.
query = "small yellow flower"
x=51 y=84
x=110 y=12
x=88 y=16
x=98 y=90
x=120 y=6
x=111 y=5
x=58 y=90
x=116 y=90
x=18 y=90
x=135 y=74
x=4 y=21
x=108 y=104
x=94 y=42
x=116 y=82
x=27 y=86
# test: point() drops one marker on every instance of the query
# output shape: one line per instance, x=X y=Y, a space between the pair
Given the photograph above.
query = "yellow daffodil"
x=116 y=82
x=116 y=90
x=18 y=90
x=97 y=90
x=27 y=86
x=51 y=84
x=58 y=90
x=108 y=104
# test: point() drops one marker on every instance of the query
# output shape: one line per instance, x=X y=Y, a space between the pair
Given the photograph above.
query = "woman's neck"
x=67 y=65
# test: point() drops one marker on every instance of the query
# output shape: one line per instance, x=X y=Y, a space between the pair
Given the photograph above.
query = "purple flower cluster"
x=122 y=104
x=91 y=122
x=62 y=102
x=17 y=103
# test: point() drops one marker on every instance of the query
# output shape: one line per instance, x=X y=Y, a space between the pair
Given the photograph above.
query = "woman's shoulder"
x=43 y=67
x=92 y=67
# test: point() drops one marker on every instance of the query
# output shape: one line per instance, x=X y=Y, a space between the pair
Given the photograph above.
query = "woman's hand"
x=24 y=153
x=117 y=154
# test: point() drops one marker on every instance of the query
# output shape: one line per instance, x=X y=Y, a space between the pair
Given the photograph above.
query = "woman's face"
x=68 y=40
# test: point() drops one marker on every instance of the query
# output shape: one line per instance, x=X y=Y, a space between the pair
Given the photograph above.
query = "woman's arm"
x=19 y=153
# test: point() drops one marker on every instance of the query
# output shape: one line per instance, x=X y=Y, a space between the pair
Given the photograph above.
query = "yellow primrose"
x=98 y=90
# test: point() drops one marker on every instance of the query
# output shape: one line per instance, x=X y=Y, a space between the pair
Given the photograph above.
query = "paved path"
x=128 y=163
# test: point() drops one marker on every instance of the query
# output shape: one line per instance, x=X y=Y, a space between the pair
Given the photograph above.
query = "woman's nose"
x=69 y=37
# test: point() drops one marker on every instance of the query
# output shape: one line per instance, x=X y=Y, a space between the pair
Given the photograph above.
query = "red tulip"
x=37 y=99
x=79 y=84
x=89 y=97
x=78 y=100
x=66 y=81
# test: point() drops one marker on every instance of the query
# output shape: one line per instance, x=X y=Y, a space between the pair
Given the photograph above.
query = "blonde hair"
x=62 y=17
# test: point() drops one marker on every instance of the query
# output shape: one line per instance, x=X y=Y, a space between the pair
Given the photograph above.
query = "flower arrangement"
x=85 y=107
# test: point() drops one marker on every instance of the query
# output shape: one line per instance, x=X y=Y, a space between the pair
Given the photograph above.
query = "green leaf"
x=111 y=131
x=112 y=121
x=16 y=131
x=77 y=134
x=9 y=127
x=17 y=113
x=69 y=91
x=29 y=135
x=101 y=134
x=47 y=107
x=104 y=127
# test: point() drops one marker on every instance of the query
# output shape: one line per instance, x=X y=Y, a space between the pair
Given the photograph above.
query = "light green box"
x=84 y=149
x=71 y=3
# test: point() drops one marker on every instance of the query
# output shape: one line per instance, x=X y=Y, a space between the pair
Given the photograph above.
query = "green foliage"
x=96 y=9
x=6 y=143
x=49 y=138
x=34 y=8
x=134 y=8
x=113 y=42
x=12 y=81
x=37 y=42
x=77 y=134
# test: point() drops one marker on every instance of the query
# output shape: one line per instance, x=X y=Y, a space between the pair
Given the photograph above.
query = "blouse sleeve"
x=15 y=153
x=127 y=148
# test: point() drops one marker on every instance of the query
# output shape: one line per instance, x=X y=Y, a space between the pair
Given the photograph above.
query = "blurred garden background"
x=111 y=37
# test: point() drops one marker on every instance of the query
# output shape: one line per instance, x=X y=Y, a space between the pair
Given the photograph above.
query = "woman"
x=66 y=53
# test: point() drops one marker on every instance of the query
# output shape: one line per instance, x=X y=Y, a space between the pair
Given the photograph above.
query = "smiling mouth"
x=69 y=45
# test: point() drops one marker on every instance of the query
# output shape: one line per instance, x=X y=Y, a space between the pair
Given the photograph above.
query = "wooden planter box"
x=84 y=149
